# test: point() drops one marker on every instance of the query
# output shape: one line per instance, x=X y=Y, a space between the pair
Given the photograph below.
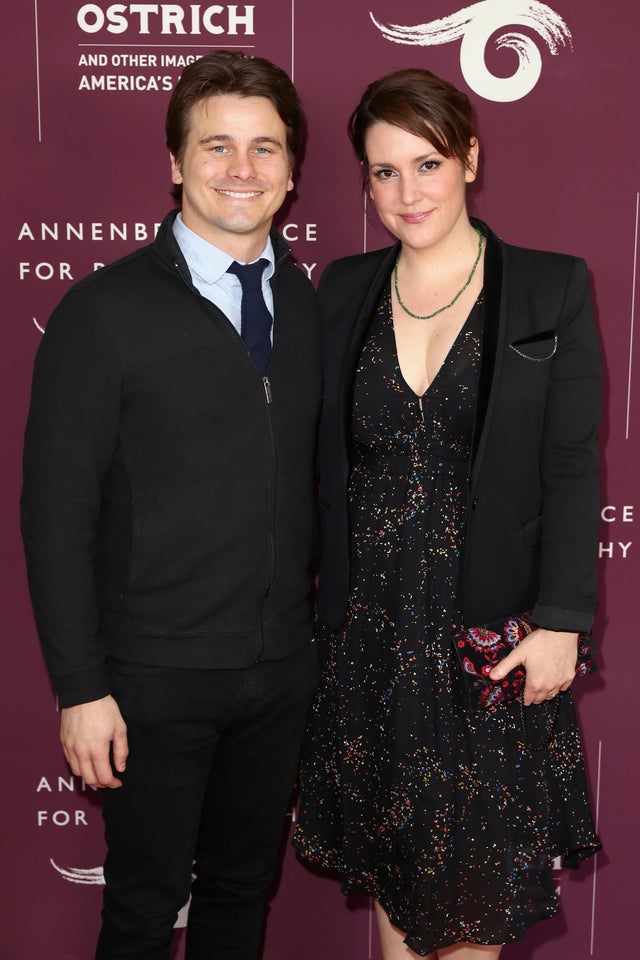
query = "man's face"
x=235 y=172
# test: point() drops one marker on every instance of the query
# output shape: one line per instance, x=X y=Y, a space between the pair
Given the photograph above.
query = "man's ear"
x=176 y=170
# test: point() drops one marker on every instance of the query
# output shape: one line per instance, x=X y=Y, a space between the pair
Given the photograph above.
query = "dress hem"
x=367 y=886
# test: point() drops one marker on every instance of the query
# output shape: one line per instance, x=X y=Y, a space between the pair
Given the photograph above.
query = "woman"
x=459 y=487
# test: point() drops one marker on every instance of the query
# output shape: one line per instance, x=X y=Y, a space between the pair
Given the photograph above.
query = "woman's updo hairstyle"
x=421 y=103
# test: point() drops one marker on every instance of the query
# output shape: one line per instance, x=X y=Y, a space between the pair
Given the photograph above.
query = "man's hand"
x=549 y=657
x=88 y=732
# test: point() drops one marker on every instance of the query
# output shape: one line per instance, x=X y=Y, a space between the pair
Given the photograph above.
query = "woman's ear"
x=471 y=166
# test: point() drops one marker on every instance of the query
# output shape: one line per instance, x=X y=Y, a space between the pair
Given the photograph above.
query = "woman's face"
x=418 y=193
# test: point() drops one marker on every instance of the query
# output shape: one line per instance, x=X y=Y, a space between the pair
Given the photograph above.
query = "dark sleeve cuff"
x=84 y=687
x=562 y=619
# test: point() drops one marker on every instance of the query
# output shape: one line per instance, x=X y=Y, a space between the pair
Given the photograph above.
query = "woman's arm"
x=569 y=467
x=570 y=516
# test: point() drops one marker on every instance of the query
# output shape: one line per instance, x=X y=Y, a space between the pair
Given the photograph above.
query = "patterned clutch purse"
x=480 y=649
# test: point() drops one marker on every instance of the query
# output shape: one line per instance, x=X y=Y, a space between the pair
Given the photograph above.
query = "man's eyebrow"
x=216 y=138
x=225 y=138
x=273 y=140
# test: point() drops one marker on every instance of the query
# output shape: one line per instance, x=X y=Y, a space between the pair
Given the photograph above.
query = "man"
x=169 y=524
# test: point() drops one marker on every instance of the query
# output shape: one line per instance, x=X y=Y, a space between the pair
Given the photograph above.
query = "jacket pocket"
x=539 y=347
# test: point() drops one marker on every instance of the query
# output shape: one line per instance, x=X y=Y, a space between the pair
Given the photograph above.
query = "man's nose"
x=241 y=165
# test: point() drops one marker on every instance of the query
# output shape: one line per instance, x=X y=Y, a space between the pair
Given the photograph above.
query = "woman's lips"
x=418 y=217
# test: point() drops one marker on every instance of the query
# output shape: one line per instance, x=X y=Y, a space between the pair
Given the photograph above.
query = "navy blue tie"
x=255 y=317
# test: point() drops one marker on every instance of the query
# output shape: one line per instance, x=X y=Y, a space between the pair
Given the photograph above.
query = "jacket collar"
x=168 y=250
x=493 y=332
x=382 y=263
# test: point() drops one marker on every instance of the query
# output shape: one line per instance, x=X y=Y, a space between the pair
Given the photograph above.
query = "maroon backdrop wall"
x=85 y=89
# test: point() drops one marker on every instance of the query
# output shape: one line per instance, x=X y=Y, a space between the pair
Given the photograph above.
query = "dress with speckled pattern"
x=449 y=818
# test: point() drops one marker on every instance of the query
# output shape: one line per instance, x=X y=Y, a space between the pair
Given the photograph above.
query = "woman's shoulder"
x=534 y=260
x=359 y=268
x=543 y=259
x=547 y=277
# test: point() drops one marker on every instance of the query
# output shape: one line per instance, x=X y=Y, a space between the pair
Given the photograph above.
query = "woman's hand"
x=549 y=658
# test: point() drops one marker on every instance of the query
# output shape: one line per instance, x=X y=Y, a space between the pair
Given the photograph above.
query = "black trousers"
x=212 y=764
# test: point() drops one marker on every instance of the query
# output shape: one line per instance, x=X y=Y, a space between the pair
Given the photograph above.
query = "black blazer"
x=533 y=497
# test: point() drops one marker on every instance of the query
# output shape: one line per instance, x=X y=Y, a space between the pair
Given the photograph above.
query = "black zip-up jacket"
x=168 y=505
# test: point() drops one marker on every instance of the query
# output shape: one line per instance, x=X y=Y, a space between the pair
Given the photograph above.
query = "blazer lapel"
x=371 y=298
x=492 y=349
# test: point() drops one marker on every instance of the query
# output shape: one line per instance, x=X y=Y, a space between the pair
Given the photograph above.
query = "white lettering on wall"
x=292 y=232
x=63 y=818
x=170 y=18
x=93 y=230
x=611 y=513
x=613 y=549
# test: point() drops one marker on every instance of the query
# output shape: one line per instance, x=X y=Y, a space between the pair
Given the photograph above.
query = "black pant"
x=211 y=768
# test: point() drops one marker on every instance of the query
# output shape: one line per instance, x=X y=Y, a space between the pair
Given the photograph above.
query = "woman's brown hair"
x=421 y=103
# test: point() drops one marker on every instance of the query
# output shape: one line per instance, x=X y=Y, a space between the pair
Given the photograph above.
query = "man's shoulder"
x=113 y=273
x=126 y=271
x=105 y=287
x=110 y=293
x=288 y=273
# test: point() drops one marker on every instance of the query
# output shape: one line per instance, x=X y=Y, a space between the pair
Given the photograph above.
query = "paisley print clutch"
x=480 y=649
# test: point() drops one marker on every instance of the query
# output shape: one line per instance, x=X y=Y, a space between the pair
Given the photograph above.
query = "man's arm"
x=71 y=435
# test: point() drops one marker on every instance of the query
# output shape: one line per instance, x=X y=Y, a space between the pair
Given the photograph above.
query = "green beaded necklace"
x=428 y=316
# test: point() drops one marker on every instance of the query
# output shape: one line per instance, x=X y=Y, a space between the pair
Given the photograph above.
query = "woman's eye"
x=430 y=165
x=383 y=174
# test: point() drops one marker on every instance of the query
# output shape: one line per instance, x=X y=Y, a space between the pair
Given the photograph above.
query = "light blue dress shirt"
x=208 y=266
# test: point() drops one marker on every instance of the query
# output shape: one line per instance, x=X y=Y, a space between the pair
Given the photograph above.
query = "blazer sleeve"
x=569 y=467
x=71 y=434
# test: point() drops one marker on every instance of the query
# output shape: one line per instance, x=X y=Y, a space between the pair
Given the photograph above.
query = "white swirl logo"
x=94 y=876
x=475 y=25
x=91 y=877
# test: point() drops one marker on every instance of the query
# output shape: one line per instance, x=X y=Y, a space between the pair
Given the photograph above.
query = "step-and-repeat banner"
x=85 y=89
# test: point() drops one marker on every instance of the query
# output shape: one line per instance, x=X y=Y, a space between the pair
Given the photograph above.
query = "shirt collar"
x=207 y=261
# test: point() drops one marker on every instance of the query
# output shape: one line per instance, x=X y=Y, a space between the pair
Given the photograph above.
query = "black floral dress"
x=449 y=818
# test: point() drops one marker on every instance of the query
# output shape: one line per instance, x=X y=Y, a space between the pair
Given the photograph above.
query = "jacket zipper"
x=268 y=393
x=272 y=512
